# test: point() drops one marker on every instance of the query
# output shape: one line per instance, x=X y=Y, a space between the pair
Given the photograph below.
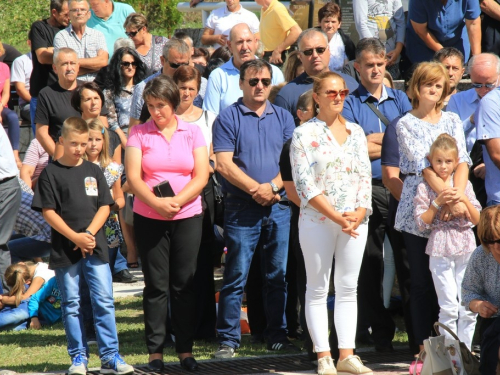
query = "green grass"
x=45 y=350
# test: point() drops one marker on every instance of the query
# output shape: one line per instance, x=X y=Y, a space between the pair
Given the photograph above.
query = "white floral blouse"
x=415 y=138
x=342 y=173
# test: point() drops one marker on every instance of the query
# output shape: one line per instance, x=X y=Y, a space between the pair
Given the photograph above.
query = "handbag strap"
x=379 y=114
x=436 y=328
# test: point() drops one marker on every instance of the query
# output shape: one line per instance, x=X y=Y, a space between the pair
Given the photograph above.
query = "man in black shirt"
x=54 y=101
x=42 y=35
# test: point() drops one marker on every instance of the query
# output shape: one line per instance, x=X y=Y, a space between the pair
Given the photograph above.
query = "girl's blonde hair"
x=444 y=142
x=96 y=125
x=16 y=276
x=428 y=72
x=488 y=228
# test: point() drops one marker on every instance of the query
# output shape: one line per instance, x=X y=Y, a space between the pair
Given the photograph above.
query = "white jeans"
x=320 y=242
x=448 y=273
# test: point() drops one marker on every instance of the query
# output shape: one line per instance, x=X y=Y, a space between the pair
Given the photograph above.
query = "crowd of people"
x=290 y=148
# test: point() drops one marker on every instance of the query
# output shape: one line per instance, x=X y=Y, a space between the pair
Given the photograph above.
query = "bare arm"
x=375 y=145
x=45 y=55
x=93 y=64
x=459 y=179
x=117 y=196
x=493 y=148
x=391 y=180
x=5 y=93
x=232 y=173
x=208 y=38
x=491 y=8
x=22 y=91
x=474 y=32
x=42 y=136
x=34 y=287
x=199 y=179
x=291 y=192
x=429 y=39
x=26 y=173
x=292 y=36
x=133 y=122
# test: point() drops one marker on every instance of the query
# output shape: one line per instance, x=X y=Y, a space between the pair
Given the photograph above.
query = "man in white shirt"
x=221 y=21
x=20 y=77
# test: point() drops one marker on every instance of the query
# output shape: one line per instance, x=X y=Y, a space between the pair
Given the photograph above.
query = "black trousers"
x=490 y=344
x=169 y=251
x=423 y=299
x=371 y=309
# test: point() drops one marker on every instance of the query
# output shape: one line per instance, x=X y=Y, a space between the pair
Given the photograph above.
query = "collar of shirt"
x=72 y=32
x=152 y=128
x=227 y=12
x=243 y=108
x=364 y=94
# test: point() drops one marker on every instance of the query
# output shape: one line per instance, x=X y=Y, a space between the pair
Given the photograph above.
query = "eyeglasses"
x=254 y=81
x=333 y=94
x=309 y=52
x=126 y=64
x=131 y=34
x=80 y=10
x=176 y=66
x=486 y=85
x=490 y=242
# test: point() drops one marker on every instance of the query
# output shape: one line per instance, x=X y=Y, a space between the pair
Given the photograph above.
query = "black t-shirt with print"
x=76 y=194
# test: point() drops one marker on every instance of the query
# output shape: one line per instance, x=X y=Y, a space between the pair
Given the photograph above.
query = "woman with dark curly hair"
x=126 y=69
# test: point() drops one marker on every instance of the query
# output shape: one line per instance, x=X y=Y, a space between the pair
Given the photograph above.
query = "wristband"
x=437 y=206
x=89 y=232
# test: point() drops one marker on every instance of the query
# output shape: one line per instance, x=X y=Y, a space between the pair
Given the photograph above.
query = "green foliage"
x=17 y=17
x=161 y=14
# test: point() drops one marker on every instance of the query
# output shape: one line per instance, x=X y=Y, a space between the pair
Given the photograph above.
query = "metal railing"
x=206 y=8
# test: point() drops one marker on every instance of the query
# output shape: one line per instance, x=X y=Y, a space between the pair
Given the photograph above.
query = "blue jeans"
x=14 y=318
x=117 y=261
x=33 y=102
x=98 y=278
x=246 y=224
x=25 y=248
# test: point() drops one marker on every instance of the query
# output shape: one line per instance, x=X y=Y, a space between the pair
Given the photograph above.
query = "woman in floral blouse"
x=416 y=131
x=332 y=175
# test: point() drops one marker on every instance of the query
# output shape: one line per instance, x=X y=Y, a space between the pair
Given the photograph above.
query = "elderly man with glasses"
x=89 y=44
x=175 y=54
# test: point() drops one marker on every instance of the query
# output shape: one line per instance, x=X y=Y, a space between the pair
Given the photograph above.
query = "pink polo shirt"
x=4 y=75
x=163 y=160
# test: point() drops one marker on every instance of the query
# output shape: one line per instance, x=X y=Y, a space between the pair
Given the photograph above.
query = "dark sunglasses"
x=333 y=94
x=254 y=81
x=131 y=34
x=319 y=51
x=126 y=64
x=490 y=242
x=481 y=85
x=176 y=66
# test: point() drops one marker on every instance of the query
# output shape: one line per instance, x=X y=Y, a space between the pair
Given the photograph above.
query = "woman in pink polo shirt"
x=168 y=229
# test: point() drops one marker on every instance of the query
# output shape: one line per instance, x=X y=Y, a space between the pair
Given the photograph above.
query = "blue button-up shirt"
x=464 y=104
x=393 y=103
x=256 y=142
x=445 y=22
x=487 y=119
x=223 y=87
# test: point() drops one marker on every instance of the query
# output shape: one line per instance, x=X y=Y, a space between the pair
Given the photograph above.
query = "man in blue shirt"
x=108 y=17
x=373 y=106
x=248 y=137
x=315 y=57
x=223 y=87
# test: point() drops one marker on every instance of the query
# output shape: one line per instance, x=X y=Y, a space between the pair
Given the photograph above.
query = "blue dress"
x=445 y=22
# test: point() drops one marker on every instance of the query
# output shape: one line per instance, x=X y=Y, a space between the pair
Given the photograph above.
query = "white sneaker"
x=326 y=366
x=352 y=365
x=78 y=365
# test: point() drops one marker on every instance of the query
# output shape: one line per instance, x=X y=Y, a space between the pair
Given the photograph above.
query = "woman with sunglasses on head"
x=416 y=132
x=332 y=174
x=480 y=293
x=149 y=47
x=126 y=69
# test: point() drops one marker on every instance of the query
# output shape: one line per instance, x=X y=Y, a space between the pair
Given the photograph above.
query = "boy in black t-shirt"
x=73 y=195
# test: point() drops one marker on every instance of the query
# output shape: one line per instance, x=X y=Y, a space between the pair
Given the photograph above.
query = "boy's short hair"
x=74 y=124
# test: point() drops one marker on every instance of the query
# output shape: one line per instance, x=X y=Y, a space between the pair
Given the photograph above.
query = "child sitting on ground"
x=452 y=242
x=73 y=195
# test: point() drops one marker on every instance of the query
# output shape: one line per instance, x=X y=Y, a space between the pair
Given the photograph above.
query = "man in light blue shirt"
x=108 y=17
x=223 y=87
x=487 y=119
x=484 y=71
